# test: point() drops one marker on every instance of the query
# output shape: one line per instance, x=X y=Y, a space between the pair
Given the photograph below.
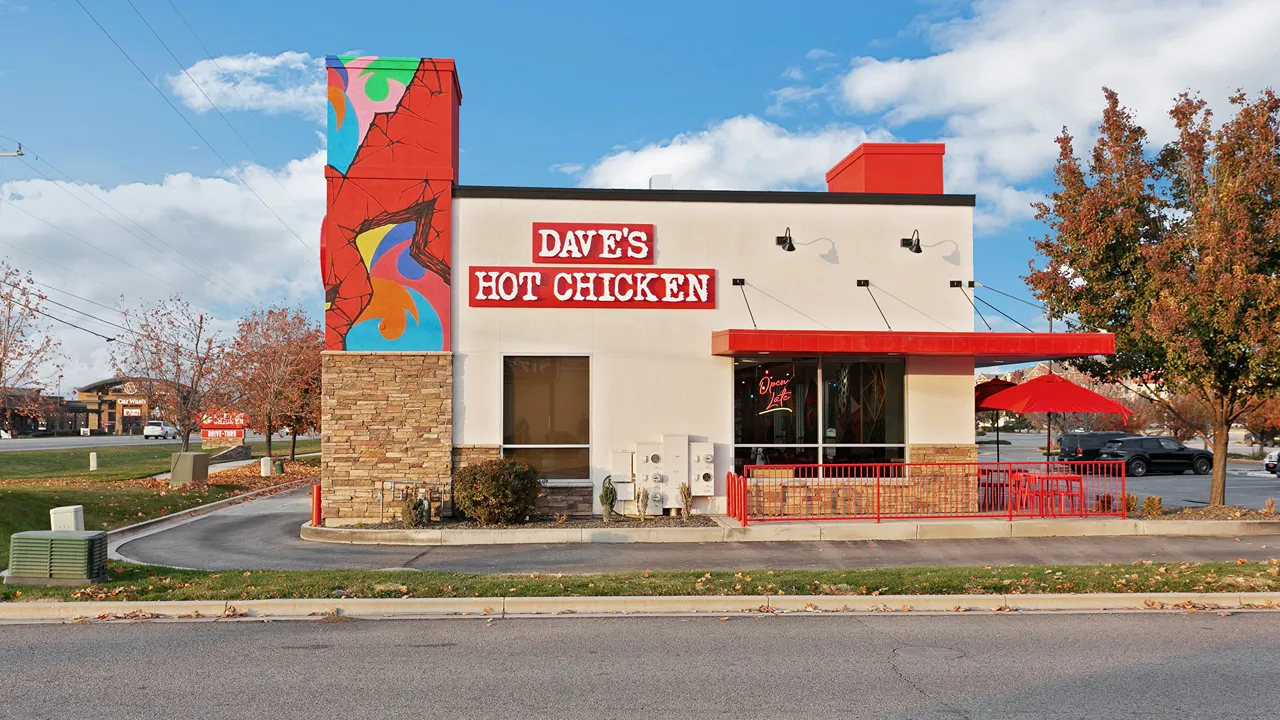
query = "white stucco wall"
x=652 y=371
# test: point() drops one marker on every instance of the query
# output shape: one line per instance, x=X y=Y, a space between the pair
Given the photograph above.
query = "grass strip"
x=116 y=462
x=138 y=582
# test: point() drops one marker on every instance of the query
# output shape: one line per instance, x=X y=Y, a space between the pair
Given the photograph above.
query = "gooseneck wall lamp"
x=912 y=243
x=784 y=241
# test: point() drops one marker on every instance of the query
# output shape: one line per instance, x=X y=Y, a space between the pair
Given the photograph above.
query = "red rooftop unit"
x=909 y=168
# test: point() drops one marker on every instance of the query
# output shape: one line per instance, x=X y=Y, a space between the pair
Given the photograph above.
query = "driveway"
x=263 y=535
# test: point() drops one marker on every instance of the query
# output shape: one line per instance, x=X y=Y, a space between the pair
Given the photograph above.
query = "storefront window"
x=546 y=404
x=780 y=404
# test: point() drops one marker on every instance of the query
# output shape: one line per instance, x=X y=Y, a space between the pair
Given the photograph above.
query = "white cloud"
x=214 y=221
x=568 y=168
x=1005 y=80
x=291 y=82
x=793 y=73
x=741 y=153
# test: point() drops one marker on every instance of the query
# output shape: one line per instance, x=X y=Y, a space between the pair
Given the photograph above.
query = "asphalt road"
x=263 y=534
x=988 y=666
x=75 y=441
x=1247 y=484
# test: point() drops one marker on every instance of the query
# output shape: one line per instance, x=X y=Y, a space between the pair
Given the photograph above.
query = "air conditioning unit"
x=57 y=557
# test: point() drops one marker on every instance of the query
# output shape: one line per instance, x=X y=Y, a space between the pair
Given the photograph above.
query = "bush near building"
x=496 y=492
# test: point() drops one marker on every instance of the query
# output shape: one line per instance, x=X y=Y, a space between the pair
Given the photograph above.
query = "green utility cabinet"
x=57 y=557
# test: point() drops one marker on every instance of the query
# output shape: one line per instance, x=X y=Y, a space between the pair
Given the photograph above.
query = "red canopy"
x=1052 y=394
x=982 y=391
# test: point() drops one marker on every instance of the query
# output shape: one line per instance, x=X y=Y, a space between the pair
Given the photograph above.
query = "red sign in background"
x=593 y=243
x=223 y=420
x=657 y=288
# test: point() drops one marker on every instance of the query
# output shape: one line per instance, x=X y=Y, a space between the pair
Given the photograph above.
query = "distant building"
x=115 y=406
x=28 y=411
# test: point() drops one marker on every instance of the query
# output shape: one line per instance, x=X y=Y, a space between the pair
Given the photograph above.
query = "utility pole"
x=18 y=153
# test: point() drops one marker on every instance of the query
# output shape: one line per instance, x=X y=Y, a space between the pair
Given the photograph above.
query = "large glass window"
x=780 y=404
x=546 y=414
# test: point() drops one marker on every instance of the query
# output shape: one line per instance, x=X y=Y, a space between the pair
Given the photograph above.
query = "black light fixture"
x=784 y=241
x=912 y=243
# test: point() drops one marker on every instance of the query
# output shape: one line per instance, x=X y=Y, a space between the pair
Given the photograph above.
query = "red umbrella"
x=981 y=392
x=1051 y=394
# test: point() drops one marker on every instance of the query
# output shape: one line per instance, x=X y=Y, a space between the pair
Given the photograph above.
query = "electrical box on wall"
x=649 y=470
x=702 y=469
x=675 y=449
x=620 y=474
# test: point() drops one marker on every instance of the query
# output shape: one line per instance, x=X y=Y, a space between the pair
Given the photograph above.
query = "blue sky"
x=757 y=95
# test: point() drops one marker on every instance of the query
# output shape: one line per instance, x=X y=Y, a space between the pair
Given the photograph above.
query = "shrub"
x=643 y=501
x=1103 y=504
x=414 y=512
x=496 y=492
x=686 y=501
x=1270 y=507
x=1151 y=505
x=1131 y=503
x=608 y=496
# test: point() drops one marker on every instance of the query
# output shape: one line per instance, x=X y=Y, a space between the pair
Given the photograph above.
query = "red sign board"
x=593 y=244
x=223 y=420
x=657 y=289
x=207 y=434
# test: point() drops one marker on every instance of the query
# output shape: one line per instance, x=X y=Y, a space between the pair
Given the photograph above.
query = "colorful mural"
x=385 y=242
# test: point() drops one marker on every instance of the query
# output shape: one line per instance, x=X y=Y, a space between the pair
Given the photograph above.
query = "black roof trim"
x=725 y=196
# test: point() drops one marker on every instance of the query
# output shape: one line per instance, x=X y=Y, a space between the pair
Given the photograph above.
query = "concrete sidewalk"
x=514 y=607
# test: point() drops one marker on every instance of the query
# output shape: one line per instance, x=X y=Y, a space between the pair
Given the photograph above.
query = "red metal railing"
x=890 y=491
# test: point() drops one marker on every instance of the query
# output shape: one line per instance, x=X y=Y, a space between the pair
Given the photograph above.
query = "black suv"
x=1157 y=454
x=1081 y=446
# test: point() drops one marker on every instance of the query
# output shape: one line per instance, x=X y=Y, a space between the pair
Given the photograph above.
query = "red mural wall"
x=392 y=164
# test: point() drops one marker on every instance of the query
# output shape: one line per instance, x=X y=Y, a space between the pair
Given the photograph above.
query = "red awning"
x=986 y=348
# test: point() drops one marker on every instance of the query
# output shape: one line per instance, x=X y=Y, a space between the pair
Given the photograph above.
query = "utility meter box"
x=621 y=475
x=190 y=469
x=702 y=469
x=650 y=473
x=656 y=500
x=675 y=450
x=70 y=517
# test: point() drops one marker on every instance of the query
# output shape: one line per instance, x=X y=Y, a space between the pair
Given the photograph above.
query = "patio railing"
x=893 y=491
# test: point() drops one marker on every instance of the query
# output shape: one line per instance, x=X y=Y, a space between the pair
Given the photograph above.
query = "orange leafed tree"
x=29 y=355
x=1263 y=422
x=273 y=366
x=175 y=356
x=1177 y=253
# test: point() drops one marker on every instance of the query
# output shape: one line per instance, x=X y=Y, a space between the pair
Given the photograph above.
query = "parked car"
x=1269 y=463
x=159 y=430
x=1144 y=455
x=1082 y=446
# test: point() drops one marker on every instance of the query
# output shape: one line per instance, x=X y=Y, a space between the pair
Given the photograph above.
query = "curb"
x=524 y=607
x=811 y=531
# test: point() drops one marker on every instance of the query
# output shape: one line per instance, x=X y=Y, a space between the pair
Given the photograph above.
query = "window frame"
x=591 y=399
x=821 y=407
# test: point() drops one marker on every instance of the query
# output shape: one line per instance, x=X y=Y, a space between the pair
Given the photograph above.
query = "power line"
x=68 y=307
x=64 y=322
x=209 y=54
x=216 y=109
x=86 y=243
x=197 y=270
x=82 y=299
x=230 y=168
x=63 y=266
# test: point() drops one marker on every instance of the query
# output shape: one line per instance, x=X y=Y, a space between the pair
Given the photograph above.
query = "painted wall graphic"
x=385 y=242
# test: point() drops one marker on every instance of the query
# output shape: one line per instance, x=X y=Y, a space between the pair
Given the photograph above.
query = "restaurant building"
x=662 y=335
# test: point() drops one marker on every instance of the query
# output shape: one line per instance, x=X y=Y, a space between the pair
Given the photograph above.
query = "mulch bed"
x=664 y=521
x=1222 y=512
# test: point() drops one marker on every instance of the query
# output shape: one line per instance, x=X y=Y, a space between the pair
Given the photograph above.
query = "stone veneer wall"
x=385 y=416
x=574 y=501
x=466 y=455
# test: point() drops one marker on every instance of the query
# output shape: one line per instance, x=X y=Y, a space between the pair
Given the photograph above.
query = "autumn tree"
x=1187 y=416
x=30 y=361
x=1263 y=422
x=273 y=361
x=175 y=356
x=1177 y=253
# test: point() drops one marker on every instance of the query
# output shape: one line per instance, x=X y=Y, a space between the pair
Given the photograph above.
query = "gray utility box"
x=189 y=469
x=57 y=557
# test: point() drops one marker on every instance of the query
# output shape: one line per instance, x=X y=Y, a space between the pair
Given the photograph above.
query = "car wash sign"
x=593 y=244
